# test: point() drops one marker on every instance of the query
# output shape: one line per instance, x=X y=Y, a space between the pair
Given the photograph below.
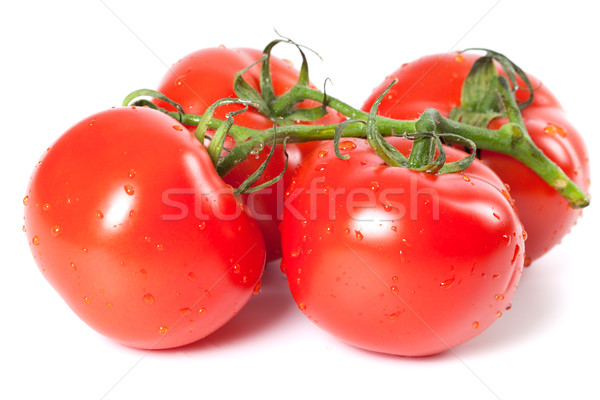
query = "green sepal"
x=246 y=186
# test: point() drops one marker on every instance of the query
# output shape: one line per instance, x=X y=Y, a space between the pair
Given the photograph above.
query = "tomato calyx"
x=283 y=107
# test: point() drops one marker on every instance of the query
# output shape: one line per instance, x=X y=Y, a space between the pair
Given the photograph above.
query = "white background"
x=62 y=61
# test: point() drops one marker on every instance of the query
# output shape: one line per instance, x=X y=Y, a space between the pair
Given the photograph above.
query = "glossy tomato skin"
x=436 y=81
x=397 y=261
x=130 y=223
x=205 y=76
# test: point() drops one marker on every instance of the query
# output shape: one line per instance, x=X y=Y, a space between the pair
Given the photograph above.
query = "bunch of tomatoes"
x=129 y=220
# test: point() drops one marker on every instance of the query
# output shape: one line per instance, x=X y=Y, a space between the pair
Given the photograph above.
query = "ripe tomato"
x=436 y=81
x=205 y=76
x=399 y=261
x=128 y=220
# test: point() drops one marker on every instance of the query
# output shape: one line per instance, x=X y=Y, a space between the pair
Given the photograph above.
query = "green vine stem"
x=512 y=139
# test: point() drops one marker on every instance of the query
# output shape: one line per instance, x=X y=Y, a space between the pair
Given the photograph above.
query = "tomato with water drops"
x=81 y=229
x=423 y=265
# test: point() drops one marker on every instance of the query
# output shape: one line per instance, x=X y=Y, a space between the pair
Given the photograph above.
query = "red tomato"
x=436 y=81
x=128 y=220
x=398 y=261
x=201 y=78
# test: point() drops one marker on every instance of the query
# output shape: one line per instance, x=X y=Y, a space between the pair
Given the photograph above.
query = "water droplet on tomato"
x=56 y=230
x=162 y=330
x=302 y=306
x=86 y=300
x=322 y=153
x=395 y=289
x=185 y=310
x=495 y=276
x=84 y=250
x=321 y=167
x=508 y=306
x=23 y=228
x=506 y=239
x=552 y=129
x=99 y=214
x=46 y=207
x=359 y=235
x=202 y=225
x=256 y=289
x=201 y=310
x=144 y=273
x=524 y=235
x=402 y=257
x=374 y=186
x=459 y=58
x=347 y=145
x=159 y=247
x=498 y=314
x=499 y=297
x=466 y=178
x=496 y=216
x=148 y=298
x=179 y=81
x=476 y=324
x=394 y=278
x=515 y=254
x=178 y=128
x=394 y=228
x=329 y=229
x=295 y=252
x=237 y=268
x=447 y=283
x=129 y=190
x=25 y=200
x=35 y=240
x=191 y=276
x=147 y=239
x=387 y=206
x=131 y=214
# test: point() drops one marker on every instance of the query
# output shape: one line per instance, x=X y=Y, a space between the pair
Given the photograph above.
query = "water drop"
x=147 y=239
x=394 y=278
x=555 y=129
x=524 y=235
x=515 y=254
x=84 y=250
x=506 y=239
x=201 y=310
x=129 y=190
x=191 y=276
x=374 y=186
x=329 y=229
x=25 y=200
x=257 y=149
x=99 y=214
x=131 y=214
x=148 y=298
x=459 y=58
x=359 y=235
x=498 y=314
x=387 y=206
x=496 y=216
x=202 y=225
x=86 y=300
x=237 y=268
x=508 y=306
x=144 y=273
x=178 y=128
x=447 y=283
x=499 y=297
x=302 y=306
x=46 y=207
x=56 y=230
x=476 y=324
x=295 y=252
x=347 y=145
x=162 y=330
x=395 y=289
x=322 y=153
x=132 y=173
x=256 y=289
x=185 y=310
x=35 y=240
x=466 y=178
x=74 y=267
x=321 y=167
